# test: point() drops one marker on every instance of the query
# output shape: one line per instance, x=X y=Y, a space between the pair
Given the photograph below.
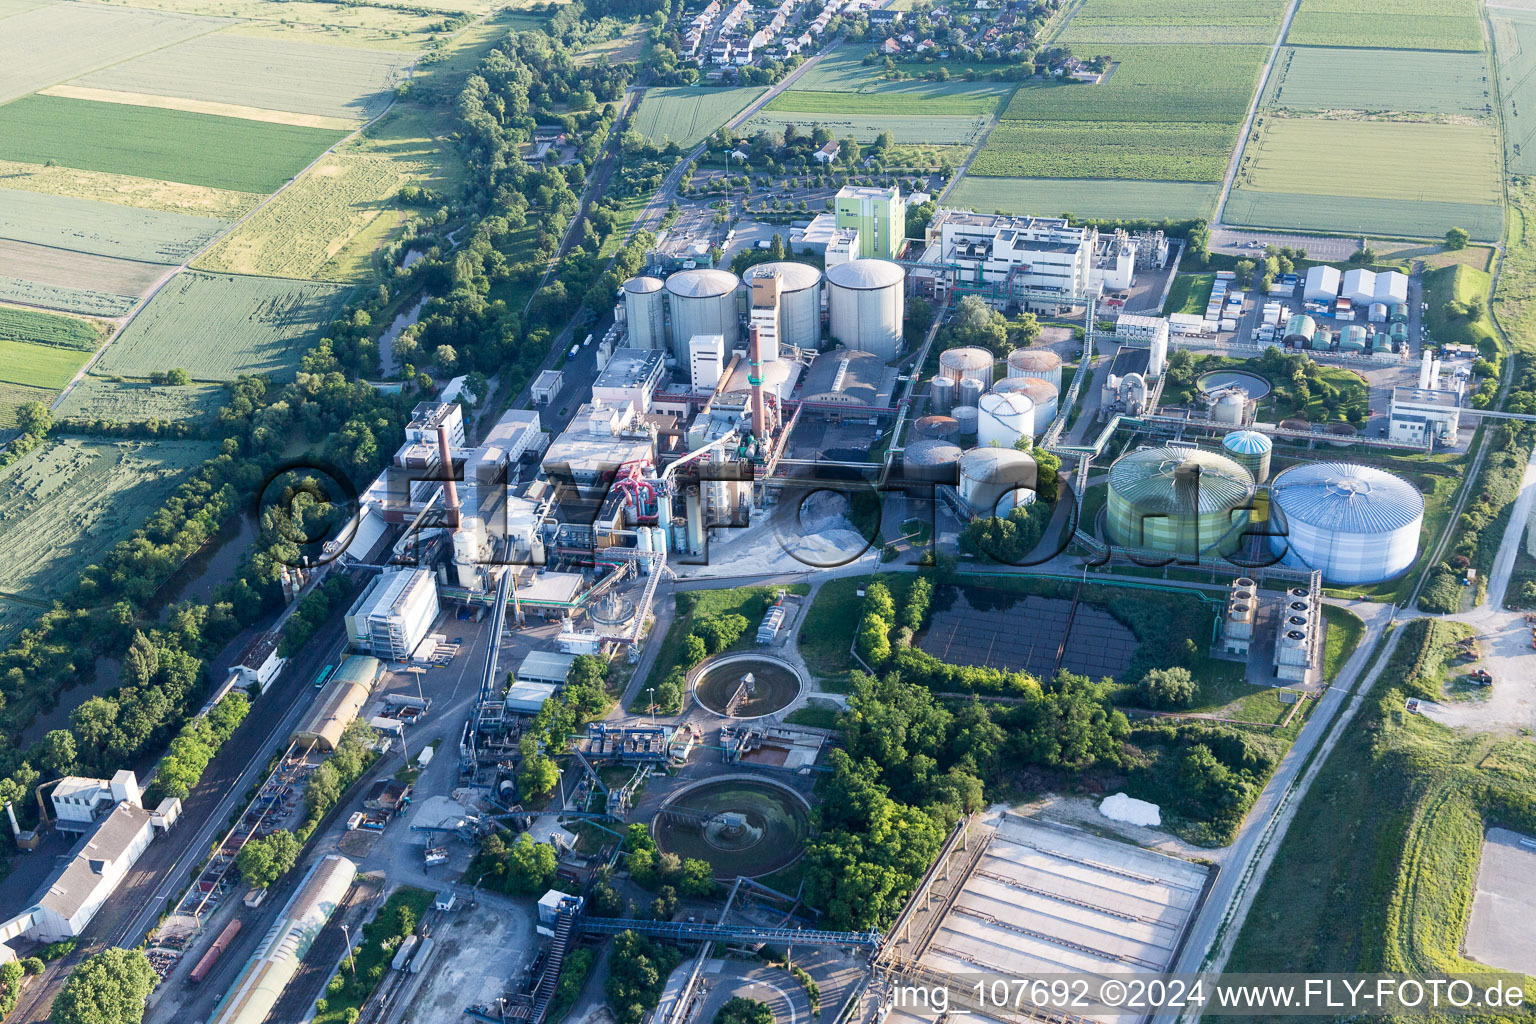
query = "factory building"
x=429 y=417
x=276 y=961
x=393 y=614
x=632 y=375
x=706 y=361
x=79 y=803
x=339 y=703
x=1354 y=524
x=879 y=215
x=1322 y=284
x=1125 y=389
x=800 y=300
x=483 y=490
x=763 y=315
x=601 y=437
x=1148 y=332
x=866 y=302
x=1417 y=415
x=1003 y=257
x=860 y=380
x=1178 y=501
x=545 y=667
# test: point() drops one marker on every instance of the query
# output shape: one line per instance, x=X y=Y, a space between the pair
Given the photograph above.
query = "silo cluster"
x=1178 y=501
x=865 y=304
x=1356 y=524
x=960 y=363
x=799 y=301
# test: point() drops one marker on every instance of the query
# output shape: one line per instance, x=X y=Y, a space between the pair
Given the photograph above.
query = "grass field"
x=173 y=145
x=65 y=503
x=27 y=325
x=923 y=99
x=48 y=268
x=1174 y=21
x=127 y=190
x=385 y=26
x=104 y=229
x=1318 y=79
x=242 y=325
x=1388 y=24
x=1201 y=84
x=950 y=131
x=687 y=116
x=1190 y=293
x=305 y=78
x=1514 y=46
x=329 y=222
x=45 y=45
x=48 y=367
x=124 y=401
x=1176 y=151
x=1051 y=197
x=841 y=70
x=1460 y=284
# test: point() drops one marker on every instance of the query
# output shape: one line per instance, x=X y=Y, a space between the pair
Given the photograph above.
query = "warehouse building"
x=393 y=614
x=339 y=703
x=1002 y=257
x=545 y=667
x=1322 y=284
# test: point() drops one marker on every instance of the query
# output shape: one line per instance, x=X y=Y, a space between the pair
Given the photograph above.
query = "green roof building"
x=878 y=214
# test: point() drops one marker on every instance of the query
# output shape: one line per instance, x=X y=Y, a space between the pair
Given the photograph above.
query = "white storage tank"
x=968 y=417
x=993 y=481
x=865 y=303
x=1036 y=362
x=1004 y=418
x=703 y=302
x=941 y=394
x=1357 y=524
x=970 y=391
x=960 y=363
x=799 y=300
x=645 y=310
x=1042 y=393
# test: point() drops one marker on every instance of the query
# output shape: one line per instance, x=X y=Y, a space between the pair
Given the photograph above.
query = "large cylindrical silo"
x=968 y=417
x=941 y=394
x=799 y=301
x=645 y=311
x=1041 y=392
x=1178 y=501
x=703 y=302
x=960 y=363
x=992 y=480
x=932 y=460
x=1035 y=362
x=1004 y=418
x=865 y=304
x=1251 y=450
x=1357 y=524
x=969 y=391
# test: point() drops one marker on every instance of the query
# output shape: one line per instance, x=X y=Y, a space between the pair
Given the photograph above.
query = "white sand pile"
x=1128 y=809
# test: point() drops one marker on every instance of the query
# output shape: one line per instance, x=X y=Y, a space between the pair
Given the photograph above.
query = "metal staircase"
x=549 y=982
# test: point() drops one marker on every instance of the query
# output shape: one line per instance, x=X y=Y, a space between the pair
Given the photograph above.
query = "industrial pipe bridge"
x=702 y=931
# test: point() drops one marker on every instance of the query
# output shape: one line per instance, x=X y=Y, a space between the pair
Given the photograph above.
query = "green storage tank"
x=1399 y=312
x=1399 y=332
x=1352 y=339
x=1321 y=341
x=1178 y=501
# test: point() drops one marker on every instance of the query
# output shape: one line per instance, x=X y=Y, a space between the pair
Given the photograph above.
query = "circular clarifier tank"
x=766 y=685
x=740 y=824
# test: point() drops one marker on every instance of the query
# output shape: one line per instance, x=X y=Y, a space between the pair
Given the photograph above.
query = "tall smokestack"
x=450 y=491
x=1425 y=368
x=755 y=378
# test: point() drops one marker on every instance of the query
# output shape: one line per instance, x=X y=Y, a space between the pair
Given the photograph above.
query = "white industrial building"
x=601 y=437
x=259 y=663
x=1322 y=284
x=1364 y=287
x=706 y=361
x=1419 y=414
x=78 y=803
x=428 y=417
x=393 y=614
x=486 y=467
x=1003 y=257
x=546 y=386
x=1148 y=332
x=632 y=375
x=545 y=667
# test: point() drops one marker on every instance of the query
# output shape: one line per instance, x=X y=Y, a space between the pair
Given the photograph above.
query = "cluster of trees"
x=976 y=323
x=964 y=35
x=741 y=1010
x=583 y=698
x=1007 y=539
x=651 y=869
x=314 y=608
x=637 y=971
x=712 y=634
x=336 y=773
x=263 y=861
x=194 y=746
x=522 y=867
x=1209 y=774
x=108 y=988
x=12 y=973
x=1167 y=688
x=1278 y=261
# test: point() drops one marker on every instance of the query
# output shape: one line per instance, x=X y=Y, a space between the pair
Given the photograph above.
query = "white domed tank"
x=1230 y=407
x=1178 y=501
x=703 y=302
x=1035 y=362
x=1004 y=418
x=943 y=428
x=865 y=303
x=969 y=391
x=1357 y=524
x=1251 y=450
x=645 y=311
x=941 y=394
x=992 y=480
x=799 y=301
x=968 y=417
x=932 y=460
x=960 y=363
x=1041 y=392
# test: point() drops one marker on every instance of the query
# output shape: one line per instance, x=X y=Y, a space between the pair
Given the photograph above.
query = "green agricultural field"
x=1174 y=151
x=1174 y=21
x=173 y=145
x=12 y=397
x=924 y=99
x=1393 y=218
x=49 y=44
x=688 y=115
x=1313 y=78
x=71 y=300
x=1364 y=158
x=841 y=70
x=1388 y=24
x=948 y=131
x=68 y=501
x=39 y=366
x=271 y=74
x=1514 y=44
x=28 y=325
x=104 y=229
x=1201 y=84
x=126 y=190
x=1048 y=197
x=217 y=327
x=116 y=400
